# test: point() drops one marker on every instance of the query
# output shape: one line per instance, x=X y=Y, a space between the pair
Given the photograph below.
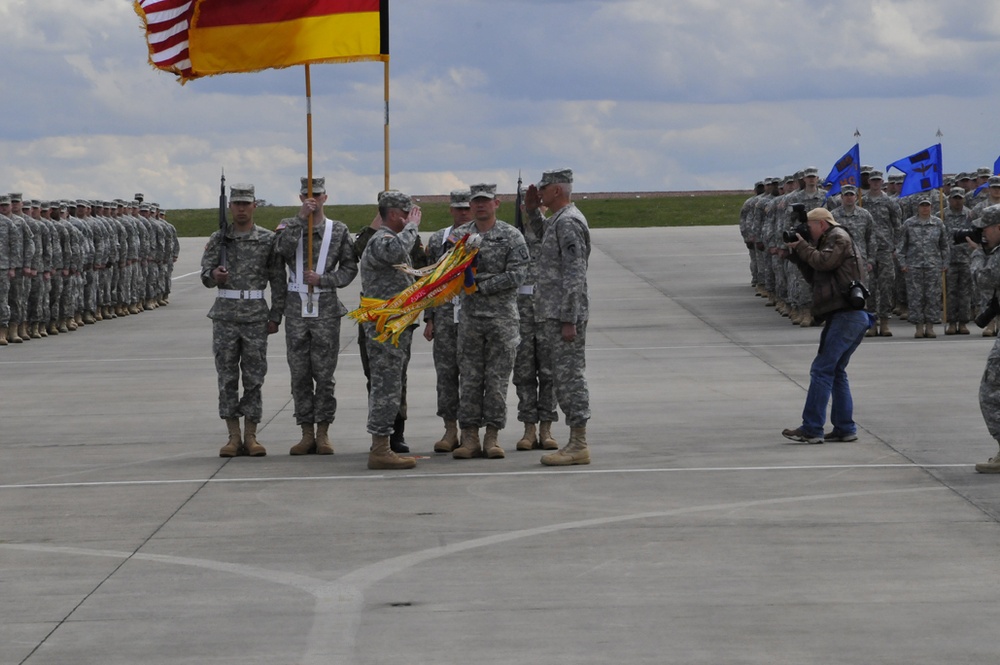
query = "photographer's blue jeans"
x=842 y=333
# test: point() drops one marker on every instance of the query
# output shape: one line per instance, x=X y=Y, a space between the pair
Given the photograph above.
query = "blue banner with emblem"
x=923 y=170
x=847 y=171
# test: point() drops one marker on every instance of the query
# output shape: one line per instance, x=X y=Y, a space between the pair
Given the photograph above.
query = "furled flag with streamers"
x=195 y=38
x=847 y=171
x=923 y=170
x=453 y=273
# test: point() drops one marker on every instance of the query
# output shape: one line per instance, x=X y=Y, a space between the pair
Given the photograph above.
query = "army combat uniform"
x=240 y=315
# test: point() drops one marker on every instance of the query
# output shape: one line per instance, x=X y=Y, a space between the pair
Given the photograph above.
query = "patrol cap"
x=848 y=189
x=16 y=197
x=875 y=174
x=485 y=191
x=242 y=193
x=990 y=216
x=138 y=197
x=35 y=203
x=984 y=171
x=895 y=177
x=799 y=175
x=963 y=176
x=809 y=171
x=319 y=186
x=994 y=181
x=957 y=193
x=923 y=199
x=4 y=199
x=867 y=169
x=759 y=183
x=44 y=205
x=821 y=214
x=82 y=203
x=460 y=198
x=393 y=198
x=789 y=178
x=556 y=176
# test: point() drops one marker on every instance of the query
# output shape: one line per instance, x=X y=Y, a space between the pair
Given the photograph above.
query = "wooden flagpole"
x=385 y=83
x=309 y=182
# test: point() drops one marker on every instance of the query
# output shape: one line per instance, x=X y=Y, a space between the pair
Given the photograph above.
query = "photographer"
x=833 y=269
x=985 y=263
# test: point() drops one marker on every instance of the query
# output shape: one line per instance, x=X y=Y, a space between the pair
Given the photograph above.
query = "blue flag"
x=923 y=170
x=847 y=171
x=996 y=170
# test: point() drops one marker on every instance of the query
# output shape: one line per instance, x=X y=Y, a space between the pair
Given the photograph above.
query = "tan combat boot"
x=575 y=452
x=491 y=446
x=12 y=335
x=920 y=331
x=883 y=327
x=53 y=328
x=530 y=438
x=951 y=329
x=307 y=444
x=33 y=331
x=872 y=332
x=3 y=336
x=251 y=446
x=22 y=330
x=989 y=331
x=323 y=445
x=990 y=466
x=449 y=441
x=469 y=447
x=88 y=318
x=929 y=331
x=807 y=319
x=545 y=438
x=235 y=442
x=98 y=316
x=63 y=326
x=963 y=329
x=382 y=457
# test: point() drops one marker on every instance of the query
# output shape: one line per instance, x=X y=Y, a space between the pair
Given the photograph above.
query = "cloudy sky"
x=632 y=94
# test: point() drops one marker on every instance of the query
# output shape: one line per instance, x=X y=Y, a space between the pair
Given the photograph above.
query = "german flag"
x=233 y=36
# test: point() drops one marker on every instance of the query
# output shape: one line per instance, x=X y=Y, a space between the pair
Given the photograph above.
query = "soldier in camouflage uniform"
x=799 y=292
x=985 y=265
x=563 y=304
x=536 y=396
x=313 y=312
x=860 y=224
x=6 y=266
x=746 y=233
x=922 y=252
x=488 y=327
x=23 y=276
x=959 y=277
x=390 y=245
x=886 y=213
x=441 y=326
x=241 y=319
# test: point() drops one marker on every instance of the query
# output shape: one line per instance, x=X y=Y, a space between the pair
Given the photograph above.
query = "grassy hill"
x=619 y=211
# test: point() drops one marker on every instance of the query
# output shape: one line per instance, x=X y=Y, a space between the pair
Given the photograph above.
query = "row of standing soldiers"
x=915 y=269
x=64 y=263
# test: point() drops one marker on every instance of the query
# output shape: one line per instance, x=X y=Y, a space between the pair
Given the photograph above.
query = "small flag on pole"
x=923 y=170
x=847 y=171
x=196 y=38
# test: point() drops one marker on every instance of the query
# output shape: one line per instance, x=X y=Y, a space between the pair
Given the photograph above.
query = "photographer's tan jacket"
x=829 y=267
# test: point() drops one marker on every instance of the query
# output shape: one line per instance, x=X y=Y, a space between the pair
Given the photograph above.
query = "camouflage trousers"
x=18 y=298
x=923 y=292
x=313 y=348
x=568 y=363
x=35 y=292
x=386 y=373
x=780 y=267
x=989 y=392
x=960 y=293
x=882 y=285
x=486 y=349
x=240 y=349
x=765 y=270
x=446 y=361
x=754 y=270
x=4 y=302
x=55 y=295
x=536 y=397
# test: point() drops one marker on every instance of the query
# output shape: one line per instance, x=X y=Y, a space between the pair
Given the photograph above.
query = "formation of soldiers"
x=479 y=338
x=918 y=266
x=65 y=264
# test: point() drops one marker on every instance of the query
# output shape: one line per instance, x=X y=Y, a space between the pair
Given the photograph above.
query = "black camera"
x=856 y=294
x=988 y=314
x=801 y=228
x=975 y=234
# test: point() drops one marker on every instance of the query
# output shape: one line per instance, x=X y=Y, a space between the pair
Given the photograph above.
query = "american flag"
x=167 y=23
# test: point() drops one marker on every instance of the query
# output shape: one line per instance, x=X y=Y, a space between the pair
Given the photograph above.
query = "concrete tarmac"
x=697 y=535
